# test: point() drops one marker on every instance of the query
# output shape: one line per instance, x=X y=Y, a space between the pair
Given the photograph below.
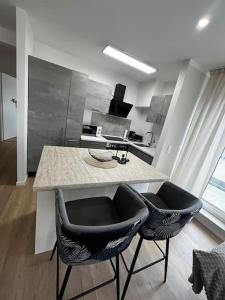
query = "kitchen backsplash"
x=111 y=125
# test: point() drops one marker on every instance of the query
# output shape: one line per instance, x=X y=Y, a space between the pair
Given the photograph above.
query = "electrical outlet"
x=169 y=148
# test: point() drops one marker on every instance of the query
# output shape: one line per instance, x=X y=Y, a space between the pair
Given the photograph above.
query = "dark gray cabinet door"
x=158 y=109
x=55 y=107
x=165 y=108
x=140 y=154
x=154 y=114
x=78 y=91
x=49 y=87
x=92 y=145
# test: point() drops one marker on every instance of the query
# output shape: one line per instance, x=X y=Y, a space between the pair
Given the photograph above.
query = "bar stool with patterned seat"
x=169 y=210
x=95 y=230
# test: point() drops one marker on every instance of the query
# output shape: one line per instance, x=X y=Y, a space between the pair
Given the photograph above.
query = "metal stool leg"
x=132 y=268
x=166 y=259
x=65 y=282
x=118 y=277
x=53 y=251
x=57 y=276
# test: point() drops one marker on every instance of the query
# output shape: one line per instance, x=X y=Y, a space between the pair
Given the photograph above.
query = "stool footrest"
x=94 y=288
x=147 y=266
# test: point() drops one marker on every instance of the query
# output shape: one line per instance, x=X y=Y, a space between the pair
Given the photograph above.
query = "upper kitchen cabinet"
x=158 y=109
x=75 y=112
x=147 y=90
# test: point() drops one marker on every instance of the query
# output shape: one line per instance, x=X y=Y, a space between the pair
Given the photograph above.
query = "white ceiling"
x=161 y=32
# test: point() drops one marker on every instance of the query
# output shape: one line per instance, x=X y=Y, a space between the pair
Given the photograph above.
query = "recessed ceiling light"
x=121 y=56
x=203 y=23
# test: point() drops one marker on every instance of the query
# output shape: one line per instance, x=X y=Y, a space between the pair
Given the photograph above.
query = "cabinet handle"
x=14 y=101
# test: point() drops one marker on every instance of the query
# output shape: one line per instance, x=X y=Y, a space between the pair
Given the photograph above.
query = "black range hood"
x=117 y=106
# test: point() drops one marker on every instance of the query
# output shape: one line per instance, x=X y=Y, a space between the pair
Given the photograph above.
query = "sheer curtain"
x=205 y=139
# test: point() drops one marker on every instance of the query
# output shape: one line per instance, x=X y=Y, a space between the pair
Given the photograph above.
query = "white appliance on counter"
x=99 y=131
x=125 y=134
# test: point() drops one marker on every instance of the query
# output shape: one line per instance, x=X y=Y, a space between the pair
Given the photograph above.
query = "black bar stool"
x=96 y=229
x=169 y=210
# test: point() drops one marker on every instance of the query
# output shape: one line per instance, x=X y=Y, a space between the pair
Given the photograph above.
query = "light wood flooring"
x=8 y=162
x=24 y=276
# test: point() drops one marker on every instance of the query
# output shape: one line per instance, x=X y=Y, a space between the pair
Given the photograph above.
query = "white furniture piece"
x=64 y=167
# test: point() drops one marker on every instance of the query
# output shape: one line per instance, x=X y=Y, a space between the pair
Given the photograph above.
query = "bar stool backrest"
x=162 y=224
x=88 y=244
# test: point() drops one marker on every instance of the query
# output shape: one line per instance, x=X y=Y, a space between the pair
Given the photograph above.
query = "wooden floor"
x=24 y=276
x=8 y=162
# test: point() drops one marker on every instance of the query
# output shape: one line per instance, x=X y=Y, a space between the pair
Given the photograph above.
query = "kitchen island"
x=65 y=167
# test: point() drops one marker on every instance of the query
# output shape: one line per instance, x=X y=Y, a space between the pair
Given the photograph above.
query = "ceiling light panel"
x=127 y=59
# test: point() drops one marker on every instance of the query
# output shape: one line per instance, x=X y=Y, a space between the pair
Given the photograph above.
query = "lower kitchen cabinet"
x=99 y=145
x=140 y=154
x=72 y=143
x=92 y=145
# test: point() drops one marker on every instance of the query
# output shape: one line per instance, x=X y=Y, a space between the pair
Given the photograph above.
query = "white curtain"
x=205 y=139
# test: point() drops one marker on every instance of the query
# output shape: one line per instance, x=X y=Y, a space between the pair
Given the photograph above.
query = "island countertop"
x=64 y=167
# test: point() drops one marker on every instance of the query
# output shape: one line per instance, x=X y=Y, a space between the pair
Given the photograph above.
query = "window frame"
x=215 y=211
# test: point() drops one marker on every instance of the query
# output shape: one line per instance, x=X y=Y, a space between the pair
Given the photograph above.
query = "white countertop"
x=91 y=138
x=146 y=150
x=65 y=167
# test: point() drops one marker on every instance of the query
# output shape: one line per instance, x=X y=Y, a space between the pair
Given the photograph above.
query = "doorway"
x=8 y=131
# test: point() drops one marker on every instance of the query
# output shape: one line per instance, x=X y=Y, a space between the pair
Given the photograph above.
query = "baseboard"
x=21 y=183
x=212 y=223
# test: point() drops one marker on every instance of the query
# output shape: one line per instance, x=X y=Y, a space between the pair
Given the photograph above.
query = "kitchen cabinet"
x=92 y=145
x=158 y=109
x=56 y=99
x=165 y=108
x=76 y=104
x=140 y=154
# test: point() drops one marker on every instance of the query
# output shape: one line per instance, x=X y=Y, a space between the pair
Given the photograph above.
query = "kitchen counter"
x=64 y=167
x=146 y=150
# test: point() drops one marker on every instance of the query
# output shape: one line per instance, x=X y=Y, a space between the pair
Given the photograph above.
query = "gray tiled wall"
x=111 y=125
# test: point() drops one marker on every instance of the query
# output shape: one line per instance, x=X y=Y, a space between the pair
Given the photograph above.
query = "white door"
x=9 y=106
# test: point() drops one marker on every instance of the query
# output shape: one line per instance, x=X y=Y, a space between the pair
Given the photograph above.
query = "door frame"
x=1 y=110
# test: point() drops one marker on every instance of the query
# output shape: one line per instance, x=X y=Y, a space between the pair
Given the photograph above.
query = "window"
x=214 y=195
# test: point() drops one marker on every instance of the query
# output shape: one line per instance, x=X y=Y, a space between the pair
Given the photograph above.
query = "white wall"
x=187 y=90
x=139 y=114
x=24 y=44
x=169 y=87
x=99 y=74
x=145 y=92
